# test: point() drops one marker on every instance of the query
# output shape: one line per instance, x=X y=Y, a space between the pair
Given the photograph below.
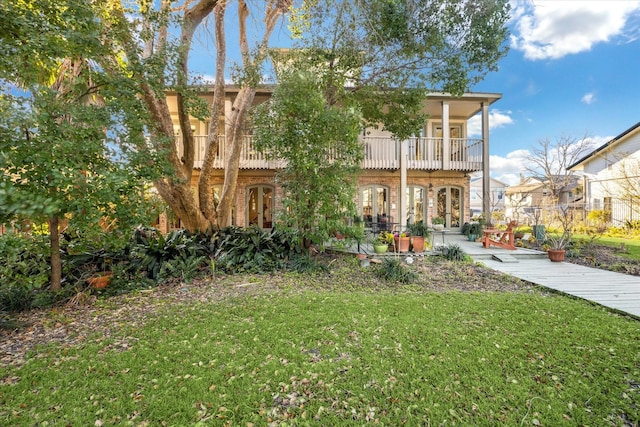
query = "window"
x=416 y=205
x=374 y=204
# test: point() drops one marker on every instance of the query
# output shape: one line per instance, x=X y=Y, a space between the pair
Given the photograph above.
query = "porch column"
x=486 y=177
x=403 y=184
x=446 y=135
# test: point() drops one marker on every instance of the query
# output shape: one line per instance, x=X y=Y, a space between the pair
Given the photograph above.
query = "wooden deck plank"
x=610 y=289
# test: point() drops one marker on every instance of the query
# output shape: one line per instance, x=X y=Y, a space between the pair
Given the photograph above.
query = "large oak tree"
x=372 y=53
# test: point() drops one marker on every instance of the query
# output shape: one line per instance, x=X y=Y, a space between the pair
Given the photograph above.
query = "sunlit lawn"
x=632 y=245
x=332 y=358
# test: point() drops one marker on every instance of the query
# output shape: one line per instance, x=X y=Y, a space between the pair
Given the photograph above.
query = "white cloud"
x=497 y=119
x=589 y=98
x=545 y=29
x=508 y=169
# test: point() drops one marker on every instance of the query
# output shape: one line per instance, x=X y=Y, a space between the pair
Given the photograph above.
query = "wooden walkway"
x=618 y=291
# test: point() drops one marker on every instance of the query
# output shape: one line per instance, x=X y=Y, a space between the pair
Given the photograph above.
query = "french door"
x=448 y=205
x=260 y=206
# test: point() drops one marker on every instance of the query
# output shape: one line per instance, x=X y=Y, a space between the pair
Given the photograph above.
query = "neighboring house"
x=523 y=198
x=611 y=176
x=431 y=171
x=533 y=193
x=496 y=192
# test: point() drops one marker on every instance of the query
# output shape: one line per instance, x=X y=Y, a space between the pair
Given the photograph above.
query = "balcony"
x=460 y=154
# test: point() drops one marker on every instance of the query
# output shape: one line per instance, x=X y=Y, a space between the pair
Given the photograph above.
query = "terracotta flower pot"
x=402 y=244
x=101 y=281
x=418 y=244
x=556 y=255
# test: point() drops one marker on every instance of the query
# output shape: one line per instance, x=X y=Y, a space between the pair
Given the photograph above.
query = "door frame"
x=448 y=203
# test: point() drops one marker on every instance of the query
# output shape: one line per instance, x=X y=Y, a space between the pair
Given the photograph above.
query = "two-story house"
x=611 y=176
x=417 y=179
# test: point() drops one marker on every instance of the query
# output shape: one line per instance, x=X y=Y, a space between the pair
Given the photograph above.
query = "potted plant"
x=474 y=231
x=437 y=223
x=402 y=241
x=100 y=280
x=419 y=233
x=556 y=243
x=382 y=242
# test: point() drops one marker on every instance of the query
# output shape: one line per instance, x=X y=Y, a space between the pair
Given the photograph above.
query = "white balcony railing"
x=462 y=154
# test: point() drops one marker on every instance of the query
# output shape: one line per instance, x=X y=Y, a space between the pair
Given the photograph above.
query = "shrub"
x=185 y=267
x=15 y=297
x=393 y=270
x=305 y=263
x=254 y=250
x=150 y=250
x=453 y=252
x=24 y=270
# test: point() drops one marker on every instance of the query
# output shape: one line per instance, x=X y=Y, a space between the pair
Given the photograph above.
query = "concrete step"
x=504 y=258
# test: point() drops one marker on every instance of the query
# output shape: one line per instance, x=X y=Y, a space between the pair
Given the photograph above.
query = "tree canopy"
x=66 y=126
x=377 y=57
x=322 y=151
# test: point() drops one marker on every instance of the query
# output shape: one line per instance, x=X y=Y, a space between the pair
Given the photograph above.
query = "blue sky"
x=573 y=70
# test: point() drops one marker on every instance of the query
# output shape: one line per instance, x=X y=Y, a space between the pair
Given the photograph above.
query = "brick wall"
x=389 y=179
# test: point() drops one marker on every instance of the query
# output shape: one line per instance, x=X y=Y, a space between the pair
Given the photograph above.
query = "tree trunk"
x=180 y=199
x=56 y=261
x=205 y=182
x=234 y=135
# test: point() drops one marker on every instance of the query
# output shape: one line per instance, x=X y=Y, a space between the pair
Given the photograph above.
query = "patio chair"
x=499 y=238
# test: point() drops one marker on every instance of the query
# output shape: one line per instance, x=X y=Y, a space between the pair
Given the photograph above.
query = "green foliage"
x=14 y=297
x=466 y=229
x=419 y=229
x=185 y=267
x=254 y=250
x=385 y=237
x=475 y=228
x=24 y=270
x=393 y=270
x=305 y=263
x=184 y=251
x=453 y=252
x=437 y=220
x=392 y=53
x=320 y=145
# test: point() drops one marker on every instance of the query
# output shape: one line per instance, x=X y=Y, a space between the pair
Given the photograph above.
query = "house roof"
x=535 y=183
x=497 y=182
x=459 y=107
x=464 y=106
x=524 y=188
x=604 y=146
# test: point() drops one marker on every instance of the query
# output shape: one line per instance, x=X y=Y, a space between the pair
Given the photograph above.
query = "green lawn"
x=343 y=358
x=632 y=245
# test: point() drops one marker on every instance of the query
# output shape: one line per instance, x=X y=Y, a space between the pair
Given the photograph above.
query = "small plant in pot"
x=556 y=243
x=437 y=223
x=420 y=233
x=402 y=241
x=474 y=231
x=383 y=242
